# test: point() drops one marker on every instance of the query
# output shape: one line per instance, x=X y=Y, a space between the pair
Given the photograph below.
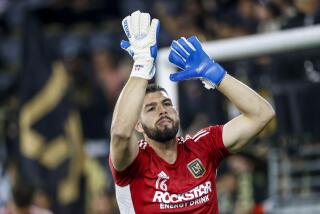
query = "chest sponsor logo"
x=195 y=196
x=196 y=168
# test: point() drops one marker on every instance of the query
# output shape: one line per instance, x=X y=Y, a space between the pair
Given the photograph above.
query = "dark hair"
x=154 y=88
x=23 y=193
x=273 y=8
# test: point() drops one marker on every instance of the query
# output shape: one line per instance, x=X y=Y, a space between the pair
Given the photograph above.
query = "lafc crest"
x=196 y=168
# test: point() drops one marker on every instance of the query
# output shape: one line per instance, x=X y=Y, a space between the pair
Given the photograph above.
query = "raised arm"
x=142 y=47
x=256 y=112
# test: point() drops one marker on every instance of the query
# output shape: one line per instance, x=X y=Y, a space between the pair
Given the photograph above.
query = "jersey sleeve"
x=210 y=140
x=124 y=177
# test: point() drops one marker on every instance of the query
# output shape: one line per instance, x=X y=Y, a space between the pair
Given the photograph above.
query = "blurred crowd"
x=61 y=71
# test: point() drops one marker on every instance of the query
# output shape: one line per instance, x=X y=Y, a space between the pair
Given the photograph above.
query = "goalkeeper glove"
x=142 y=44
x=188 y=55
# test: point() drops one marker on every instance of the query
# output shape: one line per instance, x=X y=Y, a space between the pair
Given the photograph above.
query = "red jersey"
x=151 y=185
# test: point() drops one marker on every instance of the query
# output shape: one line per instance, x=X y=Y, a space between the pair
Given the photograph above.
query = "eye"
x=167 y=103
x=150 y=109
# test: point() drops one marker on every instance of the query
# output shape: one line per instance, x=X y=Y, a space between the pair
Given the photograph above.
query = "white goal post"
x=242 y=47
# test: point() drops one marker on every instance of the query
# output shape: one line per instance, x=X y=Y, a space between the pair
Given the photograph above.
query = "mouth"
x=164 y=121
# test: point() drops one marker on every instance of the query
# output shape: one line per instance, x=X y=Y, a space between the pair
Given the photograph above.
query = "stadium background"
x=61 y=71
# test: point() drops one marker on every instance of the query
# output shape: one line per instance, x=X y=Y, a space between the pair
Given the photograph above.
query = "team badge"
x=196 y=168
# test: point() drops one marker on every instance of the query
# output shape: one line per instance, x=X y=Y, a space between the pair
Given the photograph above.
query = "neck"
x=165 y=150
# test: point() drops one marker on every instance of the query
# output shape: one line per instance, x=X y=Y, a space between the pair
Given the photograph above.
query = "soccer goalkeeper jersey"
x=152 y=185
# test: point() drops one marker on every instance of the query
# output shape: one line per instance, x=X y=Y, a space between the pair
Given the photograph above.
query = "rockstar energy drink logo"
x=196 y=168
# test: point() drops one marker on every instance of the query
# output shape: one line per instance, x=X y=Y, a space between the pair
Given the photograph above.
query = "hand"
x=142 y=44
x=188 y=55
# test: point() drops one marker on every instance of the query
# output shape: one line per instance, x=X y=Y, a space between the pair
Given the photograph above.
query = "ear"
x=139 y=128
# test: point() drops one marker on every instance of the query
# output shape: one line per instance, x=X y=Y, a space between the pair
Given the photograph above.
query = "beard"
x=164 y=135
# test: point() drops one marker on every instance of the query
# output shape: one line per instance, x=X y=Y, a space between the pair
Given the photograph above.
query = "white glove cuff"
x=145 y=70
x=208 y=84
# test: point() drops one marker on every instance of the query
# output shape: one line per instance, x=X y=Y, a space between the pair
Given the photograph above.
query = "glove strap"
x=213 y=75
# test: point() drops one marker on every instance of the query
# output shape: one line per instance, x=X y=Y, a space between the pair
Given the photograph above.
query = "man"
x=164 y=173
x=22 y=200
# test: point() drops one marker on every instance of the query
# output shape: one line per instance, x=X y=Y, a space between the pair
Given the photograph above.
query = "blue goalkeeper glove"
x=142 y=44
x=188 y=55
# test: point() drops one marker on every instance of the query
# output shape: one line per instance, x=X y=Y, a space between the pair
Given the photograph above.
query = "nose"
x=162 y=110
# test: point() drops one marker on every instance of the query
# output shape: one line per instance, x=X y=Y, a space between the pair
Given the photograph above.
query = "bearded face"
x=159 y=118
x=162 y=134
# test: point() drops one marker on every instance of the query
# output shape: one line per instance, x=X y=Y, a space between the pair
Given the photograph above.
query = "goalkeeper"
x=164 y=173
